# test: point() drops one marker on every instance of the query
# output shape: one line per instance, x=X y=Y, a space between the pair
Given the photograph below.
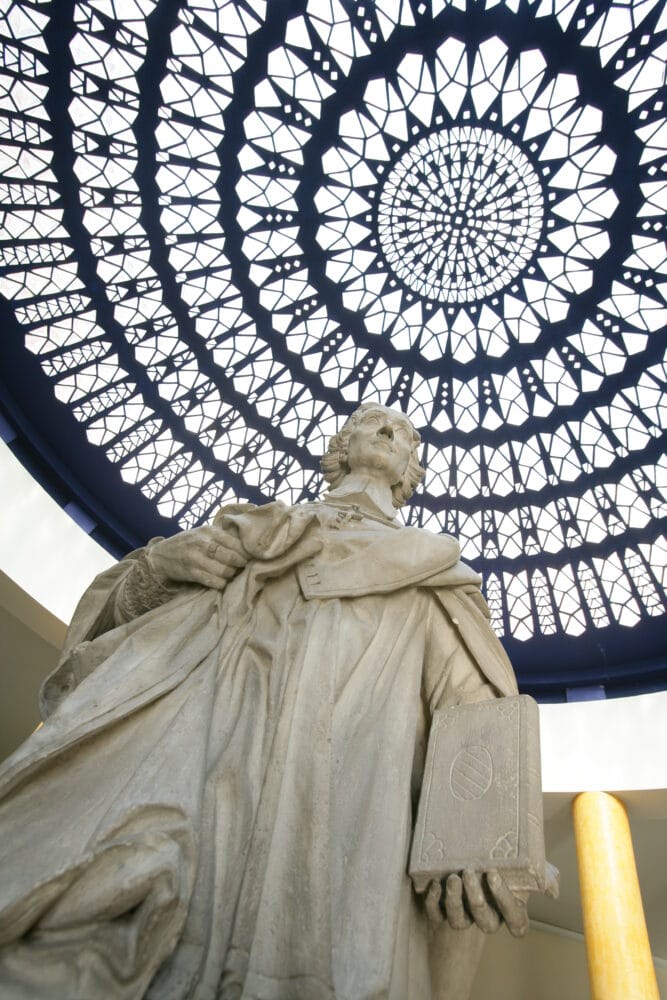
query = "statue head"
x=335 y=465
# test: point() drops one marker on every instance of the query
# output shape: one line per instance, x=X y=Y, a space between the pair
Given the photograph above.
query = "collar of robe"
x=360 y=504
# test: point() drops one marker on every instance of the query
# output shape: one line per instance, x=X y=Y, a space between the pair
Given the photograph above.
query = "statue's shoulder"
x=433 y=538
x=267 y=530
x=270 y=510
x=271 y=516
x=232 y=509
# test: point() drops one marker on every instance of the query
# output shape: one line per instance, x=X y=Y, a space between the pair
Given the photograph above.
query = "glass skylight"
x=226 y=224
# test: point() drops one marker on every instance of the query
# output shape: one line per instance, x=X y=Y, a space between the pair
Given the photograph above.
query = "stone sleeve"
x=451 y=675
x=141 y=590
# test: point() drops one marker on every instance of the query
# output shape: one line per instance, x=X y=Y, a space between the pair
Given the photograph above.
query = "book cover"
x=480 y=805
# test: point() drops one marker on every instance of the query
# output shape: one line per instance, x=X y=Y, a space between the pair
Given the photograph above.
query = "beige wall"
x=542 y=966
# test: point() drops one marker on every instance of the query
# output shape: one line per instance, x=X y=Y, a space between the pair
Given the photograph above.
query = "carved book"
x=481 y=799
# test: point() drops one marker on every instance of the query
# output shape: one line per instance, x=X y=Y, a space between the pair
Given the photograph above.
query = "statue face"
x=380 y=444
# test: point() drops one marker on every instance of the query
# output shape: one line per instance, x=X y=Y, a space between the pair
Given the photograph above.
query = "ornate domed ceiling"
x=226 y=224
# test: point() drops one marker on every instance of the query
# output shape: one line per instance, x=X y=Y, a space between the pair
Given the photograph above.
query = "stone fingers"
x=432 y=902
x=213 y=557
x=209 y=556
x=484 y=899
x=512 y=907
x=457 y=916
x=234 y=552
x=216 y=552
x=214 y=581
x=482 y=912
x=211 y=571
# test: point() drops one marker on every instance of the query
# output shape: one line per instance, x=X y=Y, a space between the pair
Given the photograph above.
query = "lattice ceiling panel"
x=226 y=224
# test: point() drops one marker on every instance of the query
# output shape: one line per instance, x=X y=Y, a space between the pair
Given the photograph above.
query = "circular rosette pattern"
x=460 y=215
x=502 y=221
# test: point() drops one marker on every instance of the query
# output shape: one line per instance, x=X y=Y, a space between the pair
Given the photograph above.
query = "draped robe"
x=220 y=801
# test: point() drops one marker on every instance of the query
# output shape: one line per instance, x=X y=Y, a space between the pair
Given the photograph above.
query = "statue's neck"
x=368 y=494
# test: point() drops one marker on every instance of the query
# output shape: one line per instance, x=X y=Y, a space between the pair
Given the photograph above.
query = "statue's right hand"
x=210 y=556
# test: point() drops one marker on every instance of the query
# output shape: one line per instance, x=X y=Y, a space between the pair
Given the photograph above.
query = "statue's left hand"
x=483 y=899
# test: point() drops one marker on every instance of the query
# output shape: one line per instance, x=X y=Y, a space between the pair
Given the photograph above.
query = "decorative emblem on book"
x=534 y=821
x=509 y=710
x=505 y=846
x=433 y=849
x=471 y=773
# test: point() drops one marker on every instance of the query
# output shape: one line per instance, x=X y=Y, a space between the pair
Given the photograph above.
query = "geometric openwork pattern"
x=225 y=224
x=460 y=215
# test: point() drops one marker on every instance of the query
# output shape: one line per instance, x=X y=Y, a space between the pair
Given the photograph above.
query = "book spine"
x=532 y=809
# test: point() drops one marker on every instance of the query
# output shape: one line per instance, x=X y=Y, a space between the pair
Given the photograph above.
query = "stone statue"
x=220 y=801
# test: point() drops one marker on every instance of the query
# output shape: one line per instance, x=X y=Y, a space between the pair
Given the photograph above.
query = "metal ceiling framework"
x=225 y=224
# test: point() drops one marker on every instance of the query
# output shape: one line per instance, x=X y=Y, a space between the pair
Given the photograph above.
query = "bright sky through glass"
x=470 y=228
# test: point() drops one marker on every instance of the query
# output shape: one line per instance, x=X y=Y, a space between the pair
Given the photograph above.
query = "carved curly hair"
x=334 y=464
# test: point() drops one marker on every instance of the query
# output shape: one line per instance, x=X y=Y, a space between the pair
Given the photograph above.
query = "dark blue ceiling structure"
x=226 y=224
